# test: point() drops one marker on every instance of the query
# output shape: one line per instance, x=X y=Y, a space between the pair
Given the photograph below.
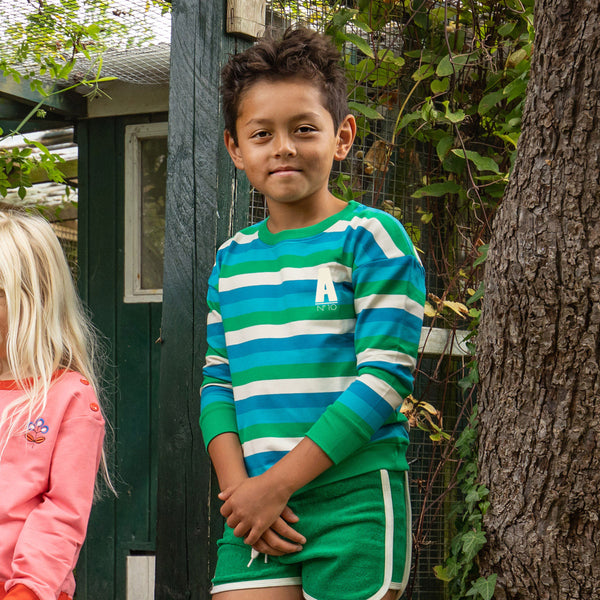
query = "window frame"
x=134 y=135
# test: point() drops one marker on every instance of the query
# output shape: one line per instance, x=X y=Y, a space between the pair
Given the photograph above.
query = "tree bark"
x=539 y=344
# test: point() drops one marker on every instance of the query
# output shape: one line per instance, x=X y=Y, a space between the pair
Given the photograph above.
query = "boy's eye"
x=305 y=129
x=260 y=134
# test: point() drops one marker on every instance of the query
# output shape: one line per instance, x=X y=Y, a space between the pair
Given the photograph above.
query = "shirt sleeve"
x=52 y=536
x=389 y=299
x=217 y=408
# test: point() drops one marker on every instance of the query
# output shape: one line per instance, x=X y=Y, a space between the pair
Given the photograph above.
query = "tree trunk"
x=539 y=343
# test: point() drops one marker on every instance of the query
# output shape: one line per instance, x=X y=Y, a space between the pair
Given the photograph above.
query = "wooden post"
x=201 y=212
x=246 y=17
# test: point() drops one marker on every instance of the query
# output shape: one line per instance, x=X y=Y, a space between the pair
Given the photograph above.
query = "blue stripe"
x=215 y=393
x=377 y=321
x=259 y=463
x=390 y=432
x=220 y=371
x=290 y=357
x=288 y=401
x=298 y=343
x=279 y=415
x=367 y=404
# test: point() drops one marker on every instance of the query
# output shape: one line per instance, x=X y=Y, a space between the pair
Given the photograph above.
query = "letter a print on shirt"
x=325 y=288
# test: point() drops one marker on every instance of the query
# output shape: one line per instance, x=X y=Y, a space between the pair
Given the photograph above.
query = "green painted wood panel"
x=125 y=525
x=201 y=212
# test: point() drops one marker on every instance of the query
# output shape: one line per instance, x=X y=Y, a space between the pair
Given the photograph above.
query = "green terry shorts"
x=358 y=543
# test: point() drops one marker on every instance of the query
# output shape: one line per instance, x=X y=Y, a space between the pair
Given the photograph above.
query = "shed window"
x=145 y=194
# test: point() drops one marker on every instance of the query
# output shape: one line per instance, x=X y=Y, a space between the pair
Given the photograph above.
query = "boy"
x=314 y=324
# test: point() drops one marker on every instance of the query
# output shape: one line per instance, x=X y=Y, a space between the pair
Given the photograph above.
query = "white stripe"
x=382 y=388
x=286 y=330
x=389 y=536
x=408 y=536
x=260 y=583
x=213 y=360
x=226 y=386
x=213 y=317
x=239 y=238
x=292 y=386
x=381 y=236
x=389 y=356
x=339 y=273
x=269 y=444
x=389 y=301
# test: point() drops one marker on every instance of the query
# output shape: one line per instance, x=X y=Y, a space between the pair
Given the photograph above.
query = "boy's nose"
x=284 y=146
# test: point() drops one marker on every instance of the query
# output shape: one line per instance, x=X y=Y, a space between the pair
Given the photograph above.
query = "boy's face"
x=287 y=141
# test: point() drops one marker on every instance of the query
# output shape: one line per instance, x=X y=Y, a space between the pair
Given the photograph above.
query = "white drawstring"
x=255 y=554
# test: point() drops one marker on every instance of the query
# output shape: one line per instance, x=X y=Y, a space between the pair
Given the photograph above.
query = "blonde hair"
x=48 y=328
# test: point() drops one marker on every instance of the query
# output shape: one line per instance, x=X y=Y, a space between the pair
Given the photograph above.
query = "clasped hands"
x=257 y=511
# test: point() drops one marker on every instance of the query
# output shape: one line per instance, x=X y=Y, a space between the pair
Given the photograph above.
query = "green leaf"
x=442 y=573
x=439 y=86
x=365 y=110
x=515 y=88
x=477 y=295
x=472 y=543
x=443 y=146
x=489 y=101
x=453 y=117
x=445 y=67
x=510 y=139
x=437 y=189
x=506 y=29
x=408 y=118
x=484 y=587
x=359 y=42
x=423 y=72
x=516 y=57
x=483 y=252
x=451 y=64
x=483 y=163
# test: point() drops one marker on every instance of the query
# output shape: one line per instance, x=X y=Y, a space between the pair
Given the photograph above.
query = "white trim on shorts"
x=407 y=564
x=259 y=583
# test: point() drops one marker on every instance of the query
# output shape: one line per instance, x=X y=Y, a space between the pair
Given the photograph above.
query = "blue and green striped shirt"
x=314 y=332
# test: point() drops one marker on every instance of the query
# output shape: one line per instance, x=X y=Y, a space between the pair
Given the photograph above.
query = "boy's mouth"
x=283 y=170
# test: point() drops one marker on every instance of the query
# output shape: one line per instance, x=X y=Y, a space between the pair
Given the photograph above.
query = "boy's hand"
x=254 y=507
x=275 y=541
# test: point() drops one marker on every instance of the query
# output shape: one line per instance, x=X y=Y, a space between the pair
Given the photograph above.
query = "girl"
x=51 y=424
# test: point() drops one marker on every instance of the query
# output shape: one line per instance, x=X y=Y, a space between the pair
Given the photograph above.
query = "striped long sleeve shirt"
x=314 y=332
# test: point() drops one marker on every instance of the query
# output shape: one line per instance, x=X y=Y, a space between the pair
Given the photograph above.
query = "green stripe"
x=394 y=383
x=296 y=371
x=304 y=313
x=386 y=342
x=293 y=261
x=386 y=287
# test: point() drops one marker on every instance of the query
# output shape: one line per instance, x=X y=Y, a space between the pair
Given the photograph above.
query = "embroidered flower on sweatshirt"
x=36 y=431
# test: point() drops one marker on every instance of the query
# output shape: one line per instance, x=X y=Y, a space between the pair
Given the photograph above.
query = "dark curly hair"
x=299 y=52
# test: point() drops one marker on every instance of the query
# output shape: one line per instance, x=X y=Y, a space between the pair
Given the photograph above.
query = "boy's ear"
x=233 y=150
x=345 y=137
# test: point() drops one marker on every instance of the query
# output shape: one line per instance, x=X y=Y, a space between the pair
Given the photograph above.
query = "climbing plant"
x=451 y=77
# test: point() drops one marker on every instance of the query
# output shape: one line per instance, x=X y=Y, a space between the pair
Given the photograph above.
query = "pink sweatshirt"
x=46 y=488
